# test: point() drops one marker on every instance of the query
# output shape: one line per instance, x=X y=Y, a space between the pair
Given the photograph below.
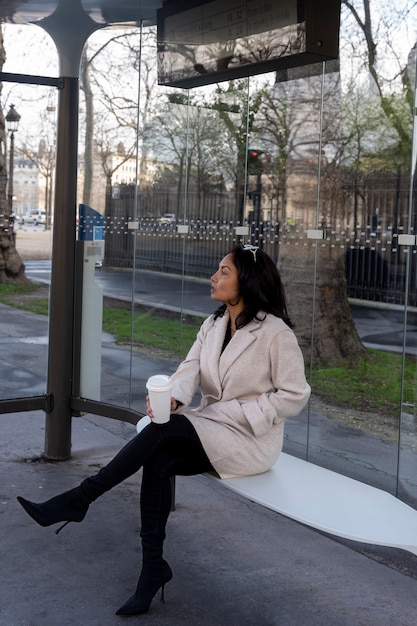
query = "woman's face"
x=224 y=283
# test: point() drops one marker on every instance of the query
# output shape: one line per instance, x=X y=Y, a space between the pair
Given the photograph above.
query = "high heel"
x=153 y=577
x=70 y=506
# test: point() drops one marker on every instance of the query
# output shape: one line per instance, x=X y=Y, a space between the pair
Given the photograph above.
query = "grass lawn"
x=151 y=329
x=372 y=384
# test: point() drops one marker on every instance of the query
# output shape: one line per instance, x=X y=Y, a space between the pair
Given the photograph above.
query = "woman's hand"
x=174 y=406
x=148 y=408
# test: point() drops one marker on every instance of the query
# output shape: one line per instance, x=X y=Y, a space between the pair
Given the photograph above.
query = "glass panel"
x=107 y=217
x=363 y=200
x=267 y=155
x=350 y=429
x=407 y=459
x=30 y=178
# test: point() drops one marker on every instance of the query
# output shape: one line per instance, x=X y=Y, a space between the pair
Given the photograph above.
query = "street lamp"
x=12 y=119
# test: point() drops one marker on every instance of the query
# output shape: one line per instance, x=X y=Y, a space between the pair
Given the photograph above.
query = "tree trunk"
x=323 y=320
x=12 y=269
x=89 y=128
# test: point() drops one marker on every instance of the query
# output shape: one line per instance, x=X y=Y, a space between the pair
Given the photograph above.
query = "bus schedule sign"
x=200 y=43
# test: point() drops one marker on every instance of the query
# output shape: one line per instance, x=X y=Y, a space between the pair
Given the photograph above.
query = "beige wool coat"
x=247 y=392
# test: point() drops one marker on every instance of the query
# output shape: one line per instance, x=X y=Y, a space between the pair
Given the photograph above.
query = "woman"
x=249 y=367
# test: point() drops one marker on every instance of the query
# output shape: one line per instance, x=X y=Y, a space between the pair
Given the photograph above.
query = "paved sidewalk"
x=234 y=563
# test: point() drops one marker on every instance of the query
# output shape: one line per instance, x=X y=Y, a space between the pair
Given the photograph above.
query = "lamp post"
x=12 y=119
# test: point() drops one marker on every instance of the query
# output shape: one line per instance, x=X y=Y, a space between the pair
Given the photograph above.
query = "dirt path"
x=34 y=243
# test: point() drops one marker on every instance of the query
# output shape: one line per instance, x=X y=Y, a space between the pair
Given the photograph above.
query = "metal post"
x=257 y=200
x=11 y=167
x=12 y=120
x=61 y=314
x=69 y=26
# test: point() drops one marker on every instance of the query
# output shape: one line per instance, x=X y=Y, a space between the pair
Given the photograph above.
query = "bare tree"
x=113 y=112
x=107 y=110
x=11 y=265
x=314 y=271
x=42 y=152
x=237 y=108
x=293 y=127
x=385 y=85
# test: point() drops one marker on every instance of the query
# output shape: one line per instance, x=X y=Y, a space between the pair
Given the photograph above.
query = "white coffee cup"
x=160 y=388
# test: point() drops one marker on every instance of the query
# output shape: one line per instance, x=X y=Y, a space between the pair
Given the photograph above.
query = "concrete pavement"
x=234 y=563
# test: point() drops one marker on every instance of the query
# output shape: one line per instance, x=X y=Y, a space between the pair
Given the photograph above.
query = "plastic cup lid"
x=159 y=382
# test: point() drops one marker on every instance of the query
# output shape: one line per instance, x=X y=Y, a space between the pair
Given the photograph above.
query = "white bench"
x=328 y=501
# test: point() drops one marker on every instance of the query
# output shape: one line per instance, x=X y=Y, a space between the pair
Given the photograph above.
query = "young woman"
x=250 y=370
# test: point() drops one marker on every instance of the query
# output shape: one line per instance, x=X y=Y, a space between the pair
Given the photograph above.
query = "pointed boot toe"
x=153 y=577
x=34 y=510
x=70 y=506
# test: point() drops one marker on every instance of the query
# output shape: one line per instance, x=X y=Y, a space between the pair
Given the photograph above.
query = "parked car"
x=167 y=218
x=34 y=217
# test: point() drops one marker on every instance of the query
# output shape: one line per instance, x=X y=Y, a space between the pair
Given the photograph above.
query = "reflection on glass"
x=230 y=39
x=259 y=162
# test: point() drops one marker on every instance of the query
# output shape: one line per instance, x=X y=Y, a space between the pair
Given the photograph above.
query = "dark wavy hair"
x=260 y=286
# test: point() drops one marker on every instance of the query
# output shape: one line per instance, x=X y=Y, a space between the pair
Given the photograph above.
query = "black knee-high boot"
x=153 y=577
x=163 y=450
x=72 y=506
x=155 y=507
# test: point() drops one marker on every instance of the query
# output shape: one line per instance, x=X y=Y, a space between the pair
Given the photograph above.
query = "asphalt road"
x=379 y=325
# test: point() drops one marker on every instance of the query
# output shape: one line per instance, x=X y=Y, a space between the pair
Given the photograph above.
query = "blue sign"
x=90 y=224
x=98 y=233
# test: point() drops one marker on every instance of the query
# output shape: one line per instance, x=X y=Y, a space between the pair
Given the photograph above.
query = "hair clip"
x=252 y=249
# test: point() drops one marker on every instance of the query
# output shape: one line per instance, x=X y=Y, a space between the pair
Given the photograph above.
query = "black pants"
x=163 y=450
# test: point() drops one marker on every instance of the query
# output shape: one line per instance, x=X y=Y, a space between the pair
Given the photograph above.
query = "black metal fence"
x=378 y=271
x=377 y=268
x=160 y=247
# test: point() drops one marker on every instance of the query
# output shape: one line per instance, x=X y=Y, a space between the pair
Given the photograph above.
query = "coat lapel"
x=214 y=349
x=242 y=339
